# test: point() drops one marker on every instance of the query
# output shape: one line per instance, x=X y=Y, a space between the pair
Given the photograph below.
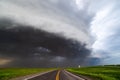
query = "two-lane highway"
x=57 y=75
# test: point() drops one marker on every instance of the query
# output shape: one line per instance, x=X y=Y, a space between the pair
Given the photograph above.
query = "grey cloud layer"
x=59 y=17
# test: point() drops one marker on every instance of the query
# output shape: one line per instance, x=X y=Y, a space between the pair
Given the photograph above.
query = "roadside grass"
x=99 y=72
x=8 y=73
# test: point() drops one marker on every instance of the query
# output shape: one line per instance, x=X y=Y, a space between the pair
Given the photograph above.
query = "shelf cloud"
x=51 y=33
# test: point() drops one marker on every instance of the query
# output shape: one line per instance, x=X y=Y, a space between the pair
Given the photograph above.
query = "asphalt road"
x=57 y=75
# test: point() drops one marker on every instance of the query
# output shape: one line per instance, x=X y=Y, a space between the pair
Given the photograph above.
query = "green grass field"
x=8 y=73
x=96 y=73
x=99 y=72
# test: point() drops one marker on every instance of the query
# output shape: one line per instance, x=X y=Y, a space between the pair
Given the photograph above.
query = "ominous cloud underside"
x=30 y=47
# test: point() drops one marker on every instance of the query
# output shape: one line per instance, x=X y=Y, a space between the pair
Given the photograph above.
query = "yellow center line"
x=58 y=75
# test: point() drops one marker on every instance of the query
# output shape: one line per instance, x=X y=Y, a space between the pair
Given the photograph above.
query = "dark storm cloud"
x=45 y=33
x=32 y=47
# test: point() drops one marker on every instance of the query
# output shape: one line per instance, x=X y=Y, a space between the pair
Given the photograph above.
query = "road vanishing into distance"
x=57 y=75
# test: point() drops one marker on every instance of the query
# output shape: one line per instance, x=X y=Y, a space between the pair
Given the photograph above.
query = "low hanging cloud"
x=25 y=44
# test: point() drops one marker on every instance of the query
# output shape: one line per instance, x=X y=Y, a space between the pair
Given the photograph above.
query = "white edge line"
x=74 y=75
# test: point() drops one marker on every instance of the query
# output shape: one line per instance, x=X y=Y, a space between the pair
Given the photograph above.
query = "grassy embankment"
x=99 y=72
x=8 y=73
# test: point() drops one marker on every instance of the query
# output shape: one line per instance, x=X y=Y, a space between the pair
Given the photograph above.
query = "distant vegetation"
x=108 y=72
x=8 y=73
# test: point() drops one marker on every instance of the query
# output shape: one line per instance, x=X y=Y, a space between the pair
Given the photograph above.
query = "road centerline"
x=58 y=75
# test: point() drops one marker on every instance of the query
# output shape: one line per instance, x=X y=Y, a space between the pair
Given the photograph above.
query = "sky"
x=59 y=33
